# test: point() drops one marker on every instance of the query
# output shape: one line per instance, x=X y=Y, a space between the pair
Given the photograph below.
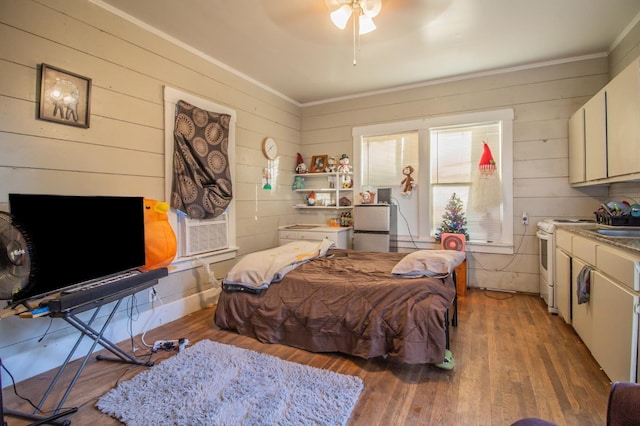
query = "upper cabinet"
x=595 y=137
x=576 y=148
x=623 y=122
x=604 y=134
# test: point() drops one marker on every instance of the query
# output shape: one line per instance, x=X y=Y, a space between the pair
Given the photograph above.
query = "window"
x=208 y=241
x=444 y=152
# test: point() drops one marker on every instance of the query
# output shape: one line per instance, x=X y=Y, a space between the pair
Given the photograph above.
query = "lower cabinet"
x=340 y=236
x=608 y=322
x=614 y=324
x=563 y=285
x=581 y=314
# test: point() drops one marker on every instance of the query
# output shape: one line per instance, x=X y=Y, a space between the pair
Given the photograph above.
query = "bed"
x=365 y=304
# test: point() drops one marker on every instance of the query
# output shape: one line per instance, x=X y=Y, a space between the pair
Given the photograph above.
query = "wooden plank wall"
x=543 y=98
x=122 y=153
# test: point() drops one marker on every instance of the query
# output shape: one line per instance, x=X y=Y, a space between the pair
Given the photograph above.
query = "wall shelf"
x=320 y=183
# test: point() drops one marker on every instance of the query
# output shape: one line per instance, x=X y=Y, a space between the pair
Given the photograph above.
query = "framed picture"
x=319 y=163
x=64 y=97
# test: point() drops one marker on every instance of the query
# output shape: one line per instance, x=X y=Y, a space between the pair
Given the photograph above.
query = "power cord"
x=513 y=256
x=415 y=245
x=24 y=398
x=155 y=311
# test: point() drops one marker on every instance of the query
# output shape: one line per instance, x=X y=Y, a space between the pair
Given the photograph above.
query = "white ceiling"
x=292 y=48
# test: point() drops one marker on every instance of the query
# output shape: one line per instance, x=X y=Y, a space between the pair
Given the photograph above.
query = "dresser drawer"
x=340 y=236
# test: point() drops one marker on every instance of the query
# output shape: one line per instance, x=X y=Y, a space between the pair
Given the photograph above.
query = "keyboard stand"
x=86 y=330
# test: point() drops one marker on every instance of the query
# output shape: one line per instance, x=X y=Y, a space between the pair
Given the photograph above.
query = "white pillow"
x=428 y=263
x=259 y=269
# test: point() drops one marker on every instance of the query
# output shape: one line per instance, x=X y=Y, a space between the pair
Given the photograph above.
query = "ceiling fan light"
x=341 y=16
x=366 y=25
x=371 y=8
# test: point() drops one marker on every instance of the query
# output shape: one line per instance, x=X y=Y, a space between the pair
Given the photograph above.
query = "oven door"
x=545 y=263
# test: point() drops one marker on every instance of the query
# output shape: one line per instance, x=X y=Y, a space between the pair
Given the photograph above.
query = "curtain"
x=201 y=185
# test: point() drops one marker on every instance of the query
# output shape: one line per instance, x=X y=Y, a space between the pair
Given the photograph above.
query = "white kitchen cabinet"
x=623 y=121
x=341 y=236
x=563 y=284
x=581 y=314
x=619 y=265
x=576 y=148
x=604 y=134
x=595 y=137
x=614 y=328
x=608 y=322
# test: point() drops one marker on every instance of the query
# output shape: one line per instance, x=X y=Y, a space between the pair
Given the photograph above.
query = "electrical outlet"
x=525 y=218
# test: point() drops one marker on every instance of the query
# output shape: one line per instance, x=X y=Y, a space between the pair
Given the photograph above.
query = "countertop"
x=630 y=244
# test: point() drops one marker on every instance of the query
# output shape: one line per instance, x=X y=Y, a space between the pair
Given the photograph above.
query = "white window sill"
x=494 y=247
x=192 y=262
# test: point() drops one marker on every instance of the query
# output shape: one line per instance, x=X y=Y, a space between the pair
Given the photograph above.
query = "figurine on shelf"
x=344 y=169
x=332 y=165
x=301 y=168
x=298 y=182
x=311 y=199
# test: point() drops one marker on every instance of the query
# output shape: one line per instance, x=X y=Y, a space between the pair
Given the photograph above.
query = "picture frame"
x=319 y=163
x=65 y=97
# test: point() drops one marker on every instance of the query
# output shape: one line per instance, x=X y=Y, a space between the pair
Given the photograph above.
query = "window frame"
x=423 y=126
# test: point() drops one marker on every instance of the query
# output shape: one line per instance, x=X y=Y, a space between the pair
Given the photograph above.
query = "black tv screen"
x=78 y=238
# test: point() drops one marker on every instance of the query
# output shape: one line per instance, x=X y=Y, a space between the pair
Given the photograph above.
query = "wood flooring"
x=513 y=360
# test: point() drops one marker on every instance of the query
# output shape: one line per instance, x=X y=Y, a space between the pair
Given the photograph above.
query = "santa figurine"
x=301 y=168
x=487 y=164
x=345 y=169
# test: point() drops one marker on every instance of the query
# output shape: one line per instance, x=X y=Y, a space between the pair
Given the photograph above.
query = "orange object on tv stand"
x=160 y=244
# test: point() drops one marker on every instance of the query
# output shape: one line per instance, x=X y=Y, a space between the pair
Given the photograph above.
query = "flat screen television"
x=78 y=238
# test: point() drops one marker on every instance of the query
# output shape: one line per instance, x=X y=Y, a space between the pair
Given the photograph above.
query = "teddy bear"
x=408 y=182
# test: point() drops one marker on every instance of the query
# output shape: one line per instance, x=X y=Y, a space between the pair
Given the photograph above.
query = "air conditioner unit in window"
x=201 y=236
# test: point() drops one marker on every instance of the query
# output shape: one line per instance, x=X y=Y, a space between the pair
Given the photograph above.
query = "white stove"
x=547 y=256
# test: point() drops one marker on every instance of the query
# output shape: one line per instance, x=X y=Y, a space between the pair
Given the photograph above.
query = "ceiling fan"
x=362 y=11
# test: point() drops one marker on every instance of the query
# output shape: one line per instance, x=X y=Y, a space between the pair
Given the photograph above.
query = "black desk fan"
x=17 y=269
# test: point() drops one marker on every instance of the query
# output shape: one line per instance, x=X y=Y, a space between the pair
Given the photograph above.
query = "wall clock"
x=270 y=148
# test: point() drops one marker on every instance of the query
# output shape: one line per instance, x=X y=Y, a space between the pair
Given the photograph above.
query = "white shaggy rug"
x=216 y=384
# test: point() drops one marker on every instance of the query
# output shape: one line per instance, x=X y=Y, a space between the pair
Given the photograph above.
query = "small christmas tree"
x=453 y=221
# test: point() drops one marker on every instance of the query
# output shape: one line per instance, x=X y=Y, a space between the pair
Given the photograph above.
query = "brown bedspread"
x=348 y=303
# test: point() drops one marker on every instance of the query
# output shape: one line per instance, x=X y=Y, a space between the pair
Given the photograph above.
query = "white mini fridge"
x=373 y=226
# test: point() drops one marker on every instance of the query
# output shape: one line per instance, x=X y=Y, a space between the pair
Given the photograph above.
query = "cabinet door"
x=581 y=314
x=576 y=147
x=623 y=122
x=614 y=324
x=595 y=137
x=563 y=285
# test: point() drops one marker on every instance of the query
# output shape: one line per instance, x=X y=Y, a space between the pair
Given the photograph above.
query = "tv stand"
x=88 y=329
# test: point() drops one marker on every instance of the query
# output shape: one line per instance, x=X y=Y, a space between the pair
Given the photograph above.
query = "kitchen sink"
x=620 y=233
